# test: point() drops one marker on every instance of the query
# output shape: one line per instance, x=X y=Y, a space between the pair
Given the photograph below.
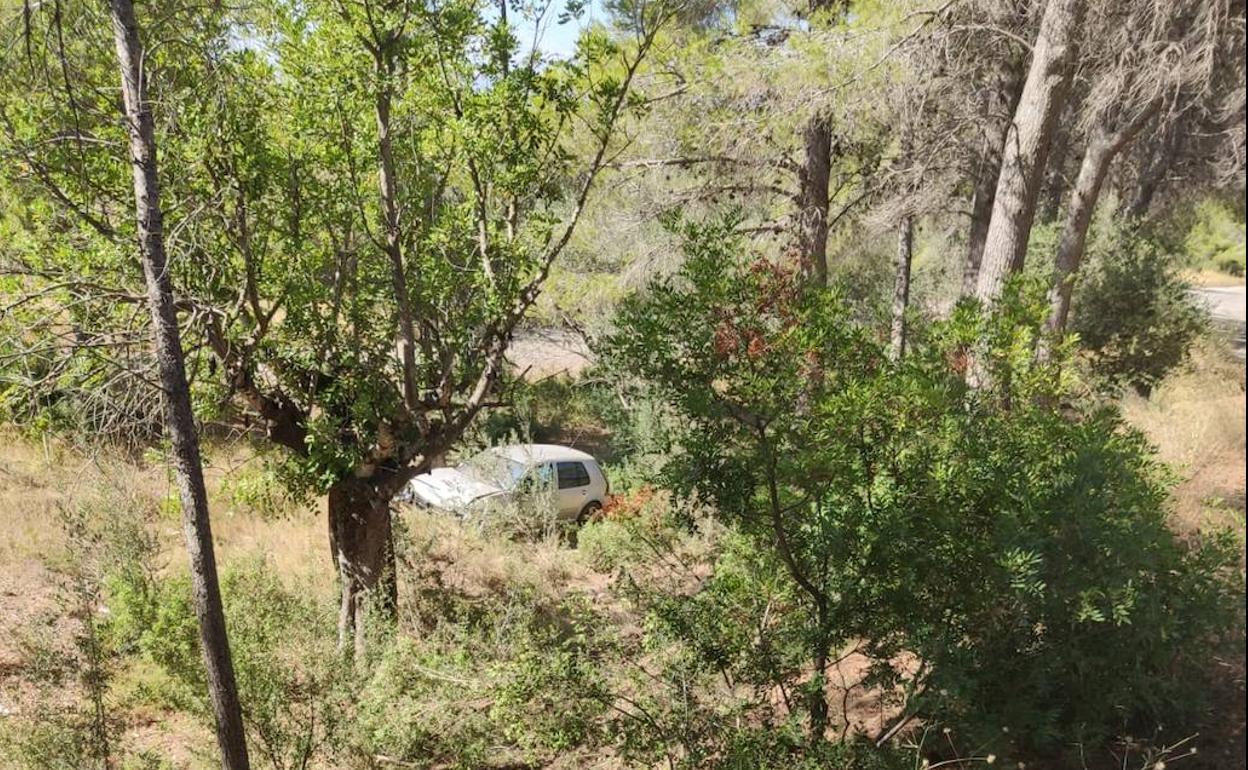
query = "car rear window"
x=572 y=475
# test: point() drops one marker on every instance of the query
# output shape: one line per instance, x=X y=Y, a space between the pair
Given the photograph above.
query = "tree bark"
x=1162 y=149
x=361 y=538
x=1103 y=147
x=1003 y=100
x=814 y=176
x=1055 y=182
x=812 y=202
x=901 y=285
x=1027 y=145
x=179 y=418
x=818 y=702
x=391 y=226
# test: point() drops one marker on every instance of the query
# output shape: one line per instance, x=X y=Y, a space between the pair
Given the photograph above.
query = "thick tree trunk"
x=1027 y=146
x=1002 y=102
x=1103 y=147
x=901 y=285
x=179 y=418
x=812 y=201
x=361 y=537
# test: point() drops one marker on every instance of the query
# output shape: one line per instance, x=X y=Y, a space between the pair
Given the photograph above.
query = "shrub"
x=292 y=682
x=1133 y=312
x=422 y=704
x=521 y=681
x=1017 y=551
x=76 y=722
x=607 y=545
x=1215 y=235
x=1232 y=266
x=257 y=487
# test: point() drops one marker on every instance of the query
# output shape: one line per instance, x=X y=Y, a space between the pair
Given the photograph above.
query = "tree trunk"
x=1103 y=147
x=391 y=226
x=1162 y=149
x=1027 y=145
x=817 y=705
x=361 y=537
x=981 y=212
x=901 y=285
x=179 y=418
x=812 y=202
x=1055 y=182
x=1074 y=234
x=1004 y=99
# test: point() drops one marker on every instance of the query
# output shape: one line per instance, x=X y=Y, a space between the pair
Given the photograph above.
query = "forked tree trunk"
x=1103 y=147
x=179 y=419
x=901 y=285
x=361 y=538
x=1027 y=146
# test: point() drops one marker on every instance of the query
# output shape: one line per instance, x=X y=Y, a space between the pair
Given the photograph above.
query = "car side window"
x=572 y=475
x=535 y=479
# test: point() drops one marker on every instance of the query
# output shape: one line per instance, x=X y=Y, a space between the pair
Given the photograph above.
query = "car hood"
x=450 y=488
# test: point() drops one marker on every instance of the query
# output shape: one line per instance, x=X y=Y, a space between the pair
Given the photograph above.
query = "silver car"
x=500 y=475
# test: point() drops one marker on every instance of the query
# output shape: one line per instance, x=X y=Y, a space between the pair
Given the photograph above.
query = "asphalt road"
x=1226 y=306
x=540 y=353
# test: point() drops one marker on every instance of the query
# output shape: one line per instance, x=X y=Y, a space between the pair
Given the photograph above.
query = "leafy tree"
x=1020 y=554
x=362 y=208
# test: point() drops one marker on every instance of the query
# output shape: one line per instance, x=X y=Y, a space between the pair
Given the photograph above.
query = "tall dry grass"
x=37 y=477
x=1196 y=420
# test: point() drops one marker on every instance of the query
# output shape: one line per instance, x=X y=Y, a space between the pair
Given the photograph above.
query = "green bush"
x=76 y=721
x=257 y=487
x=1132 y=311
x=607 y=545
x=1017 y=550
x=423 y=704
x=523 y=680
x=292 y=682
x=1232 y=266
x=1215 y=236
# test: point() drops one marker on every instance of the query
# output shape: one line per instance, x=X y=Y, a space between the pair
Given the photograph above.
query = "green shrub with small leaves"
x=293 y=683
x=1133 y=312
x=522 y=680
x=258 y=487
x=76 y=661
x=607 y=545
x=1017 y=550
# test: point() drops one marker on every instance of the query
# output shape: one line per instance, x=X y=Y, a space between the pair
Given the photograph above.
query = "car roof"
x=541 y=453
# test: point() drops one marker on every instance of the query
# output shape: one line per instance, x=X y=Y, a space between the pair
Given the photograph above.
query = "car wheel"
x=588 y=512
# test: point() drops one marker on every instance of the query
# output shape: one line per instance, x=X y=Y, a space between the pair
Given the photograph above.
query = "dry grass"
x=477 y=564
x=1196 y=420
x=35 y=479
x=1212 y=278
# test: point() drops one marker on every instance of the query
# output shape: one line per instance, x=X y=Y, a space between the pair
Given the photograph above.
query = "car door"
x=574 y=483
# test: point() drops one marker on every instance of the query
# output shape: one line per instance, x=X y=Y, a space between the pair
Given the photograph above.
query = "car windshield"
x=495 y=470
